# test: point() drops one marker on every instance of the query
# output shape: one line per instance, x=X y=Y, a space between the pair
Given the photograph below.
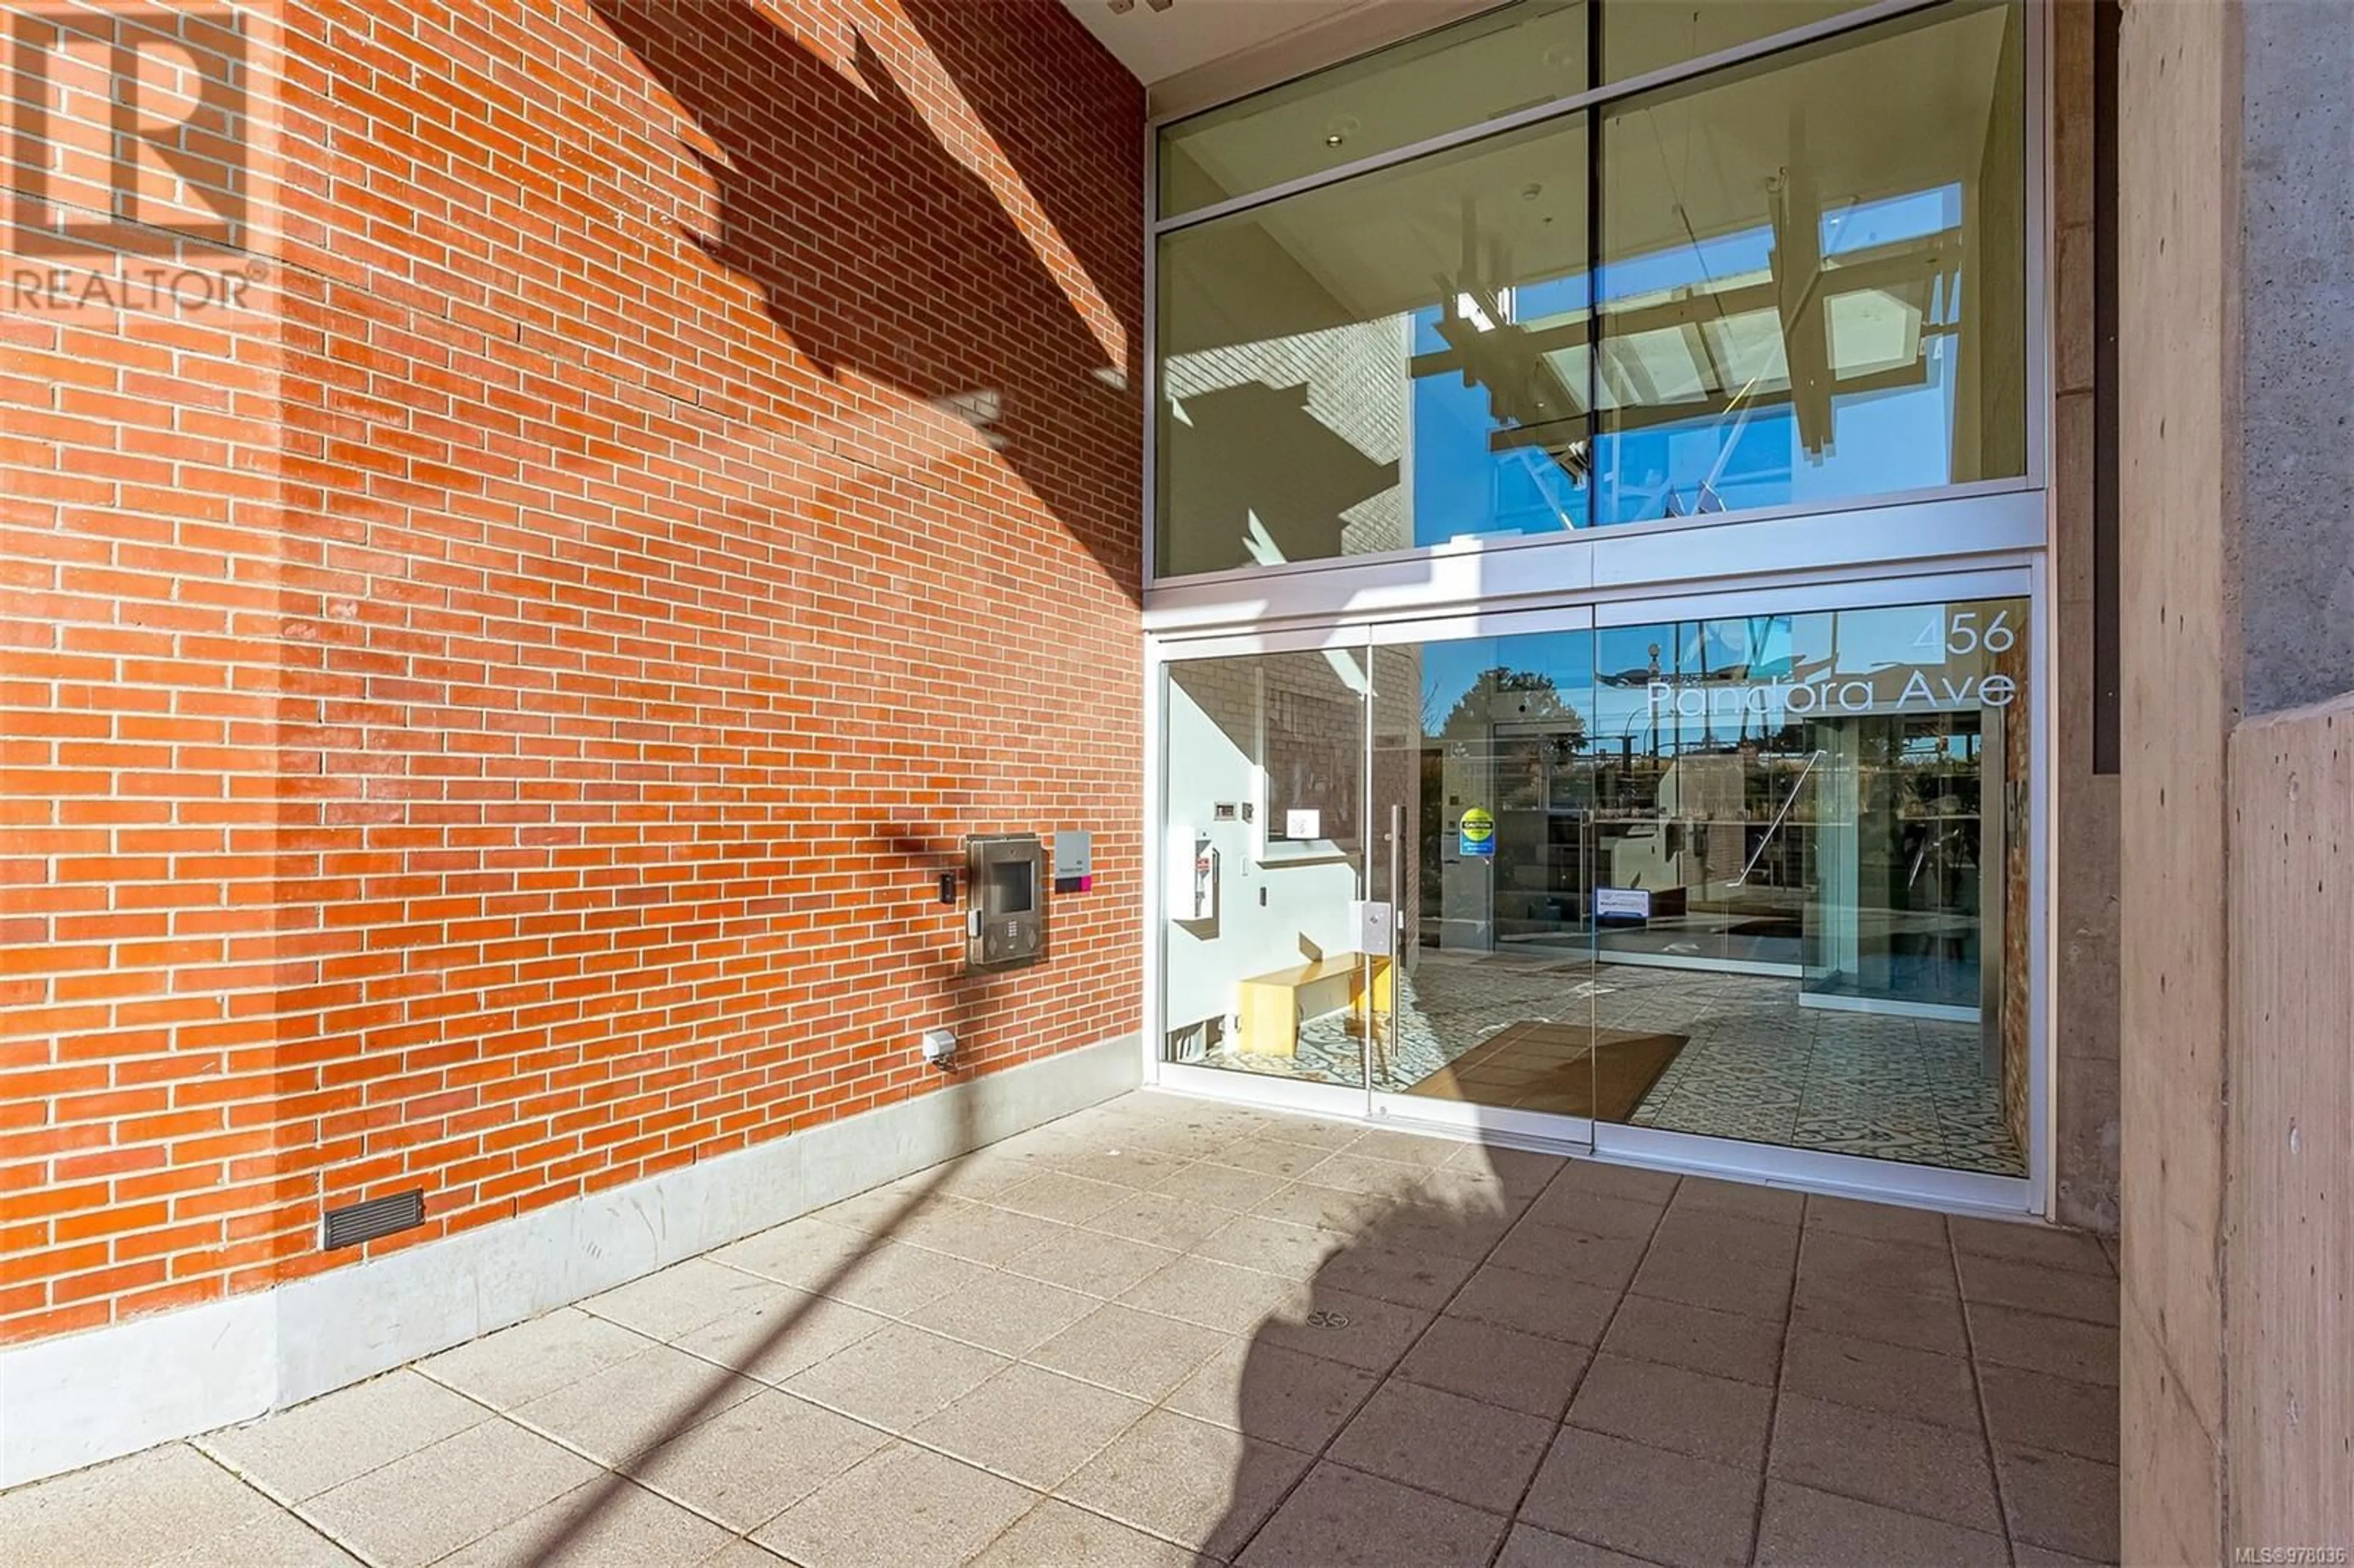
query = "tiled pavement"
x=1164 y=1333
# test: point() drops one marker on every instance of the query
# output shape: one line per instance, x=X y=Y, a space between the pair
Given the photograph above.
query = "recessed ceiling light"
x=1335 y=140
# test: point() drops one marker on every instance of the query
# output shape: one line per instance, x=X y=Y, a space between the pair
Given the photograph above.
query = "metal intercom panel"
x=1005 y=901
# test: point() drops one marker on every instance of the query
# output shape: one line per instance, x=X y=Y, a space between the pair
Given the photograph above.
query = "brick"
x=490 y=715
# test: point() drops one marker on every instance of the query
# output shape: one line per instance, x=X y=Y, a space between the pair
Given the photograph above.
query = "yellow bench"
x=1271 y=1006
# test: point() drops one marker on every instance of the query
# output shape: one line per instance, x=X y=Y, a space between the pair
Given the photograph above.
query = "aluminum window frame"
x=2017 y=575
x=1986 y=538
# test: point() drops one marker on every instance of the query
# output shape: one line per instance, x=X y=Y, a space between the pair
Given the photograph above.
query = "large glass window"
x=1379 y=365
x=1811 y=290
x=1813 y=275
x=1462 y=75
x=1645 y=35
x=1513 y=58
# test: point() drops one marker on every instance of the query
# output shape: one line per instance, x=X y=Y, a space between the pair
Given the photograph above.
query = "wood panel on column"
x=2178 y=86
x=2289 y=1245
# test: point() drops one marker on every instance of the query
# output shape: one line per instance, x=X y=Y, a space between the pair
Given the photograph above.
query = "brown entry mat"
x=1542 y=1067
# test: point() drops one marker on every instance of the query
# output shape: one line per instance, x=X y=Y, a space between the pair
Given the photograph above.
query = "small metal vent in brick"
x=357 y=1222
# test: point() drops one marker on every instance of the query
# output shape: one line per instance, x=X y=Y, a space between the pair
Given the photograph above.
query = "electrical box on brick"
x=1005 y=901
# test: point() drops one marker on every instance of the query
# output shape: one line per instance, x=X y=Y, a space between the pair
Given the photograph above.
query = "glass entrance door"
x=1376 y=872
x=1750 y=869
x=1483 y=769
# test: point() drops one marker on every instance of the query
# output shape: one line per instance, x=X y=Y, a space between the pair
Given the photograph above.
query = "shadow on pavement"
x=1312 y=1384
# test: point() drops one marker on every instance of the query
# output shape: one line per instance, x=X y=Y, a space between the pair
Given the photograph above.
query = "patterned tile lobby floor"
x=1754 y=1066
x=1164 y=1333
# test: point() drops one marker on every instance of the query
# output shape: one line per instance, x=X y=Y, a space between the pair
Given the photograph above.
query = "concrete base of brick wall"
x=74 y=1400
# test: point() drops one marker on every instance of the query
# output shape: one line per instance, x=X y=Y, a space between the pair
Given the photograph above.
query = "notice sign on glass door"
x=1622 y=903
x=1475 y=835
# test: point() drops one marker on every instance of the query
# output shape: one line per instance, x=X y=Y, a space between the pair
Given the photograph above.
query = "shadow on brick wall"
x=880 y=253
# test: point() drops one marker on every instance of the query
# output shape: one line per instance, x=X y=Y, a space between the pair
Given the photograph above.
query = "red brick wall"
x=489 y=715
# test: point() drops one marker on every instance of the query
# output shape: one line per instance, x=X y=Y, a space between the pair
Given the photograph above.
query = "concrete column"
x=2237 y=556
